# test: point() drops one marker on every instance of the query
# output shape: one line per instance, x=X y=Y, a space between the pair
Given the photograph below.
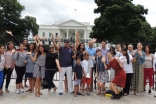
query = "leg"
x=9 y=73
x=150 y=77
x=145 y=77
x=128 y=82
x=61 y=75
x=99 y=92
x=32 y=84
x=52 y=77
x=39 y=87
x=36 y=87
x=75 y=90
x=66 y=83
x=4 y=74
x=69 y=77
x=18 y=72
x=48 y=79
x=22 y=74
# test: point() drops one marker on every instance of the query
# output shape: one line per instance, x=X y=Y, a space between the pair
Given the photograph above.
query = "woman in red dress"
x=120 y=75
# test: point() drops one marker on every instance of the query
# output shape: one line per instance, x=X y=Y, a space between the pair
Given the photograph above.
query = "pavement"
x=66 y=98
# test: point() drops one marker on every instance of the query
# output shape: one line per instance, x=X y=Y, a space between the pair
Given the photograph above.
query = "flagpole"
x=75 y=13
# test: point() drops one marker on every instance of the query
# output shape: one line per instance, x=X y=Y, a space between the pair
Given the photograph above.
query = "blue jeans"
x=1 y=77
x=49 y=75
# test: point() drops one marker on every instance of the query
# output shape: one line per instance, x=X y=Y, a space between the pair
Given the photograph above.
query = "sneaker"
x=149 y=91
x=17 y=91
x=21 y=90
x=60 y=93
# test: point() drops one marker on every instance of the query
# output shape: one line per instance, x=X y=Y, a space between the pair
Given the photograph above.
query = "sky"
x=49 y=11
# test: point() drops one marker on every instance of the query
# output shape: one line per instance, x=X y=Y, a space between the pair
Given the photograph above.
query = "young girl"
x=103 y=76
x=39 y=68
x=87 y=69
x=2 y=63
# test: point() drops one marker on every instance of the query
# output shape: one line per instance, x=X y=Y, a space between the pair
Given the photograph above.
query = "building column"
x=59 y=33
x=85 y=33
x=67 y=34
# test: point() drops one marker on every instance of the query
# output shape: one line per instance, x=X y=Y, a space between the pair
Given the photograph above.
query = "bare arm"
x=58 y=65
x=59 y=41
x=75 y=76
x=10 y=33
x=77 y=39
x=33 y=58
x=37 y=44
x=56 y=46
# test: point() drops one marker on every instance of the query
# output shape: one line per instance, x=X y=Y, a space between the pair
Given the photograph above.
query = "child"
x=77 y=75
x=87 y=70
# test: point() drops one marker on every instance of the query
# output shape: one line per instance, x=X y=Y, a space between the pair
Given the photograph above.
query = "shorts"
x=86 y=80
x=77 y=82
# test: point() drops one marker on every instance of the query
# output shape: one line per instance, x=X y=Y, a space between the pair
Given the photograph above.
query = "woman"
x=103 y=76
x=2 y=64
x=25 y=44
x=126 y=60
x=80 y=51
x=148 y=68
x=9 y=66
x=52 y=63
x=120 y=76
x=118 y=50
x=30 y=66
x=39 y=68
x=137 y=80
x=20 y=59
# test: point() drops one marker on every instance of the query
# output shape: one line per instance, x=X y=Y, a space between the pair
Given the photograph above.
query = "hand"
x=58 y=38
x=60 y=69
x=6 y=67
x=76 y=32
x=84 y=52
x=37 y=37
x=93 y=57
x=117 y=58
x=34 y=38
x=76 y=79
x=13 y=50
x=28 y=53
x=140 y=52
x=25 y=61
x=9 y=32
x=13 y=66
x=103 y=59
x=94 y=40
x=154 y=72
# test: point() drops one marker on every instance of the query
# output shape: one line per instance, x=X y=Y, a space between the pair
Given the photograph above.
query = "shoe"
x=26 y=86
x=72 y=92
x=116 y=96
x=88 y=93
x=132 y=92
x=83 y=94
x=78 y=93
x=17 y=91
x=137 y=93
x=149 y=91
x=121 y=94
x=60 y=93
x=21 y=90
x=7 y=91
x=144 y=90
x=28 y=90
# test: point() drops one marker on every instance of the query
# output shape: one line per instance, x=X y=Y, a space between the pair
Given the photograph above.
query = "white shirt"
x=2 y=62
x=85 y=66
x=154 y=61
x=127 y=67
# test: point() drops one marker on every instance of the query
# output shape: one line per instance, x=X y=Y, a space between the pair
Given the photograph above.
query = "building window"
x=81 y=36
x=56 y=34
x=65 y=35
x=43 y=34
x=49 y=34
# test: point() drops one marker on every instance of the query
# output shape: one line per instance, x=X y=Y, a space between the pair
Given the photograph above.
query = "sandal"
x=40 y=93
x=37 y=95
x=29 y=90
x=49 y=92
x=83 y=94
x=7 y=91
x=1 y=93
x=66 y=90
x=55 y=89
x=88 y=93
x=26 y=86
x=75 y=95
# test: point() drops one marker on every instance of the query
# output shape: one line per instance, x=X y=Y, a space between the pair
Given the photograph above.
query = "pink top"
x=8 y=59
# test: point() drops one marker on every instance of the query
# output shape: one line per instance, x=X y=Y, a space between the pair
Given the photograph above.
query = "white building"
x=66 y=30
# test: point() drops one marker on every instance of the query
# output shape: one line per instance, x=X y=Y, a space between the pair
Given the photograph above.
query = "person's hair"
x=112 y=48
x=98 y=50
x=10 y=42
x=0 y=47
x=33 y=48
x=103 y=41
x=78 y=48
x=39 y=53
x=147 y=46
x=78 y=58
x=86 y=53
x=140 y=43
x=130 y=44
x=127 y=56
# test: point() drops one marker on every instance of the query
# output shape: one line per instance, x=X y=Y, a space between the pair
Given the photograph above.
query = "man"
x=66 y=54
x=130 y=49
x=103 y=48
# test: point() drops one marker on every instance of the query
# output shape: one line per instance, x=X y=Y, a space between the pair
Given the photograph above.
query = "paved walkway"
x=55 y=98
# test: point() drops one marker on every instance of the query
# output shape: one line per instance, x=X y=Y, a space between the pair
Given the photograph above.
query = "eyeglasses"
x=51 y=47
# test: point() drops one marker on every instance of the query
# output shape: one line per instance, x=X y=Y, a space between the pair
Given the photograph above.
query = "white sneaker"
x=21 y=90
x=17 y=91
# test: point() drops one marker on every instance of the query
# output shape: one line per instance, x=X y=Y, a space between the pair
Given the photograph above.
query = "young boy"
x=77 y=69
x=87 y=70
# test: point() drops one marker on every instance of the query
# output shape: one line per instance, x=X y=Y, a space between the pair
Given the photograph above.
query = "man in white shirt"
x=130 y=49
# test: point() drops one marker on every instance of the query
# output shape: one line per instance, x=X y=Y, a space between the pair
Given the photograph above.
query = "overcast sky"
x=49 y=11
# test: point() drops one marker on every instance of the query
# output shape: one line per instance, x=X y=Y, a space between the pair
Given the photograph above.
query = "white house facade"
x=66 y=30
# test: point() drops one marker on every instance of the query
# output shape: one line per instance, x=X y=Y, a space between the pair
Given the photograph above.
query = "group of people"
x=129 y=69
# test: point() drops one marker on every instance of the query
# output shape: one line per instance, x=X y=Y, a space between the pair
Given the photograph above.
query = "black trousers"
x=7 y=73
x=128 y=83
x=49 y=76
x=20 y=71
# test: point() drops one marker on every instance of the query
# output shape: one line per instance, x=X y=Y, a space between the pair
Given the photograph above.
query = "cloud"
x=49 y=11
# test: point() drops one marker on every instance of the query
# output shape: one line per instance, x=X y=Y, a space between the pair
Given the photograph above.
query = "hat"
x=66 y=40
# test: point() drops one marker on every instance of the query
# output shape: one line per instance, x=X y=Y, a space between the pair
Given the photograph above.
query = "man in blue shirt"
x=103 y=48
x=66 y=54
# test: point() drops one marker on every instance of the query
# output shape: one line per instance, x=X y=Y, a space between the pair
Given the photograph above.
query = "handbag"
x=45 y=84
x=96 y=73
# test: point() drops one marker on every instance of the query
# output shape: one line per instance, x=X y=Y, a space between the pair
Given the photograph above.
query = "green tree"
x=120 y=20
x=11 y=19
